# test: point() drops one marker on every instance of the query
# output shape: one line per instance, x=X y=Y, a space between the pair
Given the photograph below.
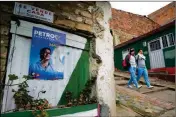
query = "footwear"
x=151 y=87
x=129 y=86
x=139 y=86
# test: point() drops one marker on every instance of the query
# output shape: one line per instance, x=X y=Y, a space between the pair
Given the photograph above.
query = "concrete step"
x=141 y=103
x=121 y=82
x=123 y=111
x=154 y=81
x=119 y=78
x=155 y=89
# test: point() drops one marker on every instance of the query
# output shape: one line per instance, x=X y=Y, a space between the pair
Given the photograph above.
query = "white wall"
x=104 y=48
x=18 y=64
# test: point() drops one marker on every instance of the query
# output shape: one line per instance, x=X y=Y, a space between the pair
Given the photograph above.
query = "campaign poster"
x=44 y=43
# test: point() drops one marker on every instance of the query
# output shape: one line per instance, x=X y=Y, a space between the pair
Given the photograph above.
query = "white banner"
x=33 y=12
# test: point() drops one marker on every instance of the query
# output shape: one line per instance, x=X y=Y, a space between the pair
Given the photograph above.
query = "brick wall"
x=164 y=15
x=128 y=25
x=76 y=17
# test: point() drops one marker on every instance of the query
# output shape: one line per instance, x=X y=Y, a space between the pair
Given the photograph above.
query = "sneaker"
x=129 y=86
x=139 y=86
x=150 y=87
x=135 y=85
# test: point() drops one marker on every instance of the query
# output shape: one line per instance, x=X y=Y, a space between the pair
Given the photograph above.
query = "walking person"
x=141 y=68
x=132 y=68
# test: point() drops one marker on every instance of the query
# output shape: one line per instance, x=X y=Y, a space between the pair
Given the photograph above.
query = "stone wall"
x=164 y=15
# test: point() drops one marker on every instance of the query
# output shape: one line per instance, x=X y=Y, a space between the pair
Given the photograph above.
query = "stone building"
x=88 y=40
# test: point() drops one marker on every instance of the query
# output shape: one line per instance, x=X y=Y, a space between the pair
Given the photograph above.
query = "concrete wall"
x=104 y=49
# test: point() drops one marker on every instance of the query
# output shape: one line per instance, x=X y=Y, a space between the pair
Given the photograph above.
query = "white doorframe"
x=156 y=56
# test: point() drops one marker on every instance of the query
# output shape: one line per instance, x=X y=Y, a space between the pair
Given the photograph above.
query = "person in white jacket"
x=132 y=69
x=141 y=68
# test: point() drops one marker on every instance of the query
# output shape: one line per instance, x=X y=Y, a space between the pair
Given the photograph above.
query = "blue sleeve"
x=59 y=75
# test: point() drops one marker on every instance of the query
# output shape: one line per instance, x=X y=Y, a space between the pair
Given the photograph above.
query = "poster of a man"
x=41 y=66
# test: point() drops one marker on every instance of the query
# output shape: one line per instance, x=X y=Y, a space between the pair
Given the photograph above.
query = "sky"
x=141 y=8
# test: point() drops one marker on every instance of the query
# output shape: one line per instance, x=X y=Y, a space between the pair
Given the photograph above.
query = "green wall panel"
x=169 y=56
x=78 y=78
x=139 y=44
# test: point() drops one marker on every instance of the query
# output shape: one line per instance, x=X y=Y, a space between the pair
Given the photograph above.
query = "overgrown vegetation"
x=24 y=101
x=84 y=97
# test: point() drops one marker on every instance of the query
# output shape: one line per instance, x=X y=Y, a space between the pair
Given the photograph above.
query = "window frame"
x=169 y=40
x=157 y=39
x=168 y=44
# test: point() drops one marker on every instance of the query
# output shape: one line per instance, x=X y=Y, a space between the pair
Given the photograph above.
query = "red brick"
x=164 y=14
x=129 y=25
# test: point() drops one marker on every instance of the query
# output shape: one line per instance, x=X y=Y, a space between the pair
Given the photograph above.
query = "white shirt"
x=132 y=61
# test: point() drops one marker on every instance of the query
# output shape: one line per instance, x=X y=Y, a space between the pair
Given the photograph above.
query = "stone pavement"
x=146 y=105
x=141 y=103
x=170 y=113
x=153 y=80
x=123 y=111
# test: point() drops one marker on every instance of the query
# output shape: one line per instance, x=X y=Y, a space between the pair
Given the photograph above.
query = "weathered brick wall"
x=75 y=16
x=4 y=36
x=128 y=25
x=164 y=15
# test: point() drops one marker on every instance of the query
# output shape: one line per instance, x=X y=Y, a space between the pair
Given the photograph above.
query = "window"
x=164 y=41
x=155 y=45
x=171 y=39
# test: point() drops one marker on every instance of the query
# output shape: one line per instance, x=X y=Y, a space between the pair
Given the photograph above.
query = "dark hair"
x=139 y=49
x=131 y=50
x=42 y=51
x=128 y=49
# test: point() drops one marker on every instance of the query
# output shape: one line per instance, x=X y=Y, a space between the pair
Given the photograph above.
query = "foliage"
x=42 y=114
x=24 y=101
x=84 y=97
x=12 y=77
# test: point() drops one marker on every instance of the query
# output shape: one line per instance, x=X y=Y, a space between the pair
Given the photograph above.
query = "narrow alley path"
x=158 y=101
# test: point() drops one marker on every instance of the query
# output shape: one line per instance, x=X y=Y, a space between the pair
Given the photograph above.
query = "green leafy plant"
x=25 y=101
x=84 y=97
x=12 y=77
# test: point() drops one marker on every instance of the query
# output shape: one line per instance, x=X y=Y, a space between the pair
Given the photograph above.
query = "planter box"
x=82 y=110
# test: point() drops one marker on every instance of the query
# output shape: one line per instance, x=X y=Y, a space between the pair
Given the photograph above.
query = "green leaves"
x=27 y=77
x=84 y=97
x=12 y=77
